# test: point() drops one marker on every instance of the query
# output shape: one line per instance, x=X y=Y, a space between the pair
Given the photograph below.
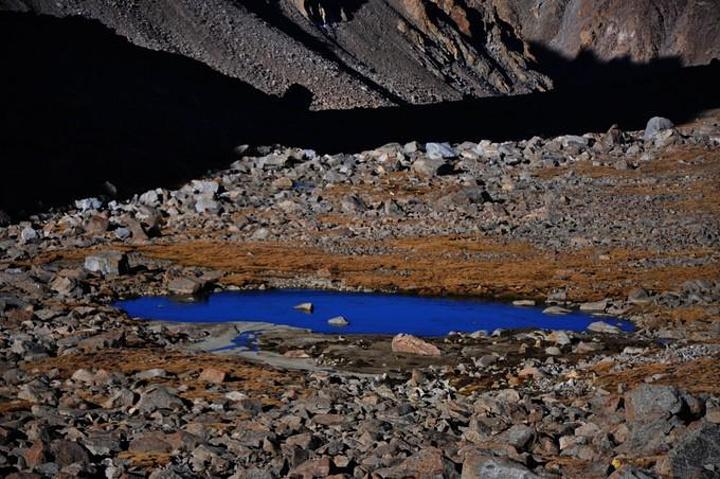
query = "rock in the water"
x=338 y=321
x=655 y=125
x=406 y=343
x=556 y=310
x=107 y=263
x=305 y=307
x=602 y=327
x=487 y=467
x=524 y=302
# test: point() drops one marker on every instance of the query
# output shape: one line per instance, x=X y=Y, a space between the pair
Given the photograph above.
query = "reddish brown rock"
x=212 y=376
x=312 y=468
x=406 y=343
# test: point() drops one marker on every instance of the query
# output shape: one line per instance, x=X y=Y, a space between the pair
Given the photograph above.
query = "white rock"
x=602 y=327
x=338 y=321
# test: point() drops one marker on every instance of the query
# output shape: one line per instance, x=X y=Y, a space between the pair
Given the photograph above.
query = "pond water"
x=367 y=313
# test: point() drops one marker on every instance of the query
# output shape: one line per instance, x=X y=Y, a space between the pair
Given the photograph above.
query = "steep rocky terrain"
x=640 y=30
x=371 y=53
x=623 y=223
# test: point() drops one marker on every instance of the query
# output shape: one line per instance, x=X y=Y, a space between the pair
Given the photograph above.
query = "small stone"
x=712 y=411
x=338 y=321
x=639 y=296
x=406 y=343
x=296 y=353
x=87 y=204
x=62 y=285
x=283 y=183
x=553 y=351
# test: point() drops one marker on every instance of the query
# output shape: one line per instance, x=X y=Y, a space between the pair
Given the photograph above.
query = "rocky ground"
x=618 y=224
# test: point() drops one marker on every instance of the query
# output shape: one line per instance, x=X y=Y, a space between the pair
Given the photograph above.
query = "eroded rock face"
x=639 y=31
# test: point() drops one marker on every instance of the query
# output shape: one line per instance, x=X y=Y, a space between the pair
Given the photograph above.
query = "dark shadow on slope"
x=81 y=106
x=269 y=11
x=589 y=96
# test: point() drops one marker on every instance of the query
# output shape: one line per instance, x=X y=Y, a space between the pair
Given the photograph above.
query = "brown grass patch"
x=699 y=376
x=442 y=265
x=241 y=375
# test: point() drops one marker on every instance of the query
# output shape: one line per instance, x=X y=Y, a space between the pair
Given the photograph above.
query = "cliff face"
x=368 y=53
x=641 y=30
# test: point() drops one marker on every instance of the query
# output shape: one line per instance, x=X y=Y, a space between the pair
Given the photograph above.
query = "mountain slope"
x=364 y=54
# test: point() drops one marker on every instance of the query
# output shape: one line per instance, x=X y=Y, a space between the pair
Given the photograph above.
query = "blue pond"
x=368 y=313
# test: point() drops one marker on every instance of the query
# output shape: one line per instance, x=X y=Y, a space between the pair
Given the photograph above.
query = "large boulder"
x=488 y=467
x=697 y=453
x=430 y=167
x=655 y=125
x=406 y=343
x=652 y=403
x=107 y=263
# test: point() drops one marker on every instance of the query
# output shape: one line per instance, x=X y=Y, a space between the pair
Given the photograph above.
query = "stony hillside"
x=382 y=52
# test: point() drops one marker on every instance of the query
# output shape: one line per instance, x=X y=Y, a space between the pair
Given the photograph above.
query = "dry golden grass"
x=241 y=375
x=699 y=376
x=442 y=265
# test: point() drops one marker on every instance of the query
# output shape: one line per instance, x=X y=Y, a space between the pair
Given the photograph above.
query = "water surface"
x=368 y=313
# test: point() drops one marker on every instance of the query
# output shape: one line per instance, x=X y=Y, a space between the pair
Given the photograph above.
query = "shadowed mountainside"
x=83 y=106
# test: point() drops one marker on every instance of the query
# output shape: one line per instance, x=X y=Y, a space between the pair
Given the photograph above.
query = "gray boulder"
x=431 y=167
x=697 y=453
x=440 y=150
x=488 y=467
x=107 y=263
x=652 y=403
x=655 y=125
x=158 y=398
